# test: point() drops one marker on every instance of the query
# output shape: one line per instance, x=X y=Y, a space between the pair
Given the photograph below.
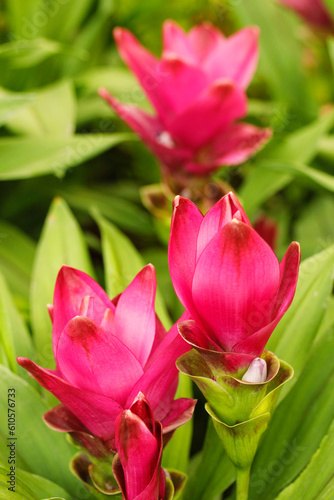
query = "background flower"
x=197 y=91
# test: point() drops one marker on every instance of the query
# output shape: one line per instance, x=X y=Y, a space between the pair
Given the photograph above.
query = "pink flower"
x=137 y=467
x=228 y=279
x=197 y=89
x=313 y=12
x=106 y=353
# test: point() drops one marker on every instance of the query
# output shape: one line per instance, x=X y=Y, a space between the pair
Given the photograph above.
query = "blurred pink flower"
x=228 y=279
x=313 y=12
x=197 y=90
x=137 y=467
x=107 y=352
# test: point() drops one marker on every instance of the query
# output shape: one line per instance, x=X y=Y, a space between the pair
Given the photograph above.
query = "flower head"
x=228 y=279
x=314 y=12
x=197 y=92
x=137 y=467
x=106 y=352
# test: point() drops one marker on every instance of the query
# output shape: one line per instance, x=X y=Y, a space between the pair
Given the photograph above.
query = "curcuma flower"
x=229 y=280
x=107 y=352
x=314 y=12
x=197 y=90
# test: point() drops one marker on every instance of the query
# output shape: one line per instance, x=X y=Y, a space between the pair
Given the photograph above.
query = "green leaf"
x=41 y=487
x=300 y=170
x=300 y=146
x=330 y=7
x=124 y=213
x=297 y=426
x=295 y=333
x=279 y=63
x=319 y=472
x=61 y=242
x=15 y=339
x=25 y=53
x=17 y=252
x=11 y=104
x=177 y=452
x=23 y=158
x=214 y=472
x=122 y=262
x=53 y=112
x=39 y=450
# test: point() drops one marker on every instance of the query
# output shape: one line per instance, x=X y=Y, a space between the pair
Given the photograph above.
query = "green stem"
x=242 y=483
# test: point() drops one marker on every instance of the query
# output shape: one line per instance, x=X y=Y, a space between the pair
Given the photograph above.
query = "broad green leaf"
x=300 y=170
x=214 y=472
x=61 y=242
x=314 y=229
x=330 y=6
x=24 y=53
x=319 y=472
x=39 y=450
x=295 y=333
x=23 y=158
x=17 y=252
x=122 y=262
x=39 y=486
x=21 y=490
x=11 y=104
x=127 y=215
x=326 y=145
x=15 y=339
x=297 y=426
x=280 y=63
x=177 y=452
x=52 y=112
x=300 y=146
x=22 y=17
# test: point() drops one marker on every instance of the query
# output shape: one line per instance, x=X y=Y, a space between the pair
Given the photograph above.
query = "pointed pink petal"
x=96 y=412
x=231 y=146
x=205 y=39
x=142 y=409
x=93 y=359
x=235 y=284
x=150 y=130
x=160 y=335
x=289 y=269
x=169 y=84
x=176 y=41
x=217 y=107
x=135 y=315
x=237 y=143
x=139 y=453
x=71 y=287
x=159 y=382
x=180 y=413
x=167 y=340
x=235 y=57
x=186 y=222
x=50 y=311
x=220 y=214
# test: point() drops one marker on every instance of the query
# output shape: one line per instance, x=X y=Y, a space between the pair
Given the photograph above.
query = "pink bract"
x=197 y=90
x=314 y=12
x=107 y=352
x=228 y=278
x=137 y=468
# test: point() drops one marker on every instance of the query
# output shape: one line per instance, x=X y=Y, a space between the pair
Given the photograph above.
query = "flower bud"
x=257 y=372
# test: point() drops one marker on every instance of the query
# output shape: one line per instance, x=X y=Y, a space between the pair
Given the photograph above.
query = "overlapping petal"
x=95 y=411
x=92 y=359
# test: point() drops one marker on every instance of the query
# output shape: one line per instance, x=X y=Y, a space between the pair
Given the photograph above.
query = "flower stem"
x=242 y=483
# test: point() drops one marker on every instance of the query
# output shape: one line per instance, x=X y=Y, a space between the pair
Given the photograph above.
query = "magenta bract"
x=137 y=468
x=200 y=79
x=106 y=353
x=314 y=12
x=228 y=278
